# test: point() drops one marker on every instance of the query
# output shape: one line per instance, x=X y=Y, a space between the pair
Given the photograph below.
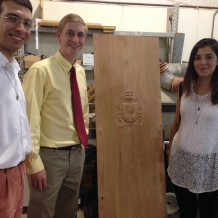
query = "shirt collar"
x=66 y=66
x=5 y=63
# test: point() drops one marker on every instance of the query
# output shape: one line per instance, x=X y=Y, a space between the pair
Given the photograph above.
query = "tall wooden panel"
x=131 y=180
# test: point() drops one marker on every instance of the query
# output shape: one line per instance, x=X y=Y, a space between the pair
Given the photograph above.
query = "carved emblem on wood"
x=129 y=111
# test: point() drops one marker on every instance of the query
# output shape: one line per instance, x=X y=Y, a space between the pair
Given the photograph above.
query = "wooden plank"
x=130 y=159
x=97 y=26
x=54 y=23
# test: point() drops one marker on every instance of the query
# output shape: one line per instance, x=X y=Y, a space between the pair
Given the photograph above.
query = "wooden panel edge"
x=109 y=29
x=41 y=5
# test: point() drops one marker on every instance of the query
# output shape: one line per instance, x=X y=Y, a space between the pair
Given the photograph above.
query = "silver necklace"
x=199 y=105
x=198 y=110
x=14 y=87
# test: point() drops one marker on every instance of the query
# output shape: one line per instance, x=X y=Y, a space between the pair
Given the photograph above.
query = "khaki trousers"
x=12 y=191
x=60 y=198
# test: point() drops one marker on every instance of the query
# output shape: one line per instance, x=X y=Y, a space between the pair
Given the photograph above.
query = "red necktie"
x=77 y=108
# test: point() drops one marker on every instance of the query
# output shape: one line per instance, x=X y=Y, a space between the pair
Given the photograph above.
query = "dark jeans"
x=189 y=202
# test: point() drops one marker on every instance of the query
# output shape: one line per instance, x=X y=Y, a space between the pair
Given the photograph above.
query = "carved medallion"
x=129 y=111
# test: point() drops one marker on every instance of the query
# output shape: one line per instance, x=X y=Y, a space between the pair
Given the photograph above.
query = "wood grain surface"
x=130 y=158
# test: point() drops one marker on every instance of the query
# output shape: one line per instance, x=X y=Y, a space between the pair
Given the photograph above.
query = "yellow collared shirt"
x=49 y=107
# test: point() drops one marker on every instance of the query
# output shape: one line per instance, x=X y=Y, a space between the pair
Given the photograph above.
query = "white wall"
x=208 y=3
x=126 y=18
x=196 y=23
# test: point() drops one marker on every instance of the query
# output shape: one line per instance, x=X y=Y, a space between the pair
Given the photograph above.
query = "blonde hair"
x=71 y=18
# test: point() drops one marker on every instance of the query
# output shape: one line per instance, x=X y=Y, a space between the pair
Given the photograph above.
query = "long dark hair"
x=25 y=3
x=191 y=75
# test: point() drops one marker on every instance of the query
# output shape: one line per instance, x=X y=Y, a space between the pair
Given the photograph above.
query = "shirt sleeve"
x=35 y=93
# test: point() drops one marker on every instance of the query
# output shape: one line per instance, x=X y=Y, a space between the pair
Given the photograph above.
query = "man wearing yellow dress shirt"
x=56 y=163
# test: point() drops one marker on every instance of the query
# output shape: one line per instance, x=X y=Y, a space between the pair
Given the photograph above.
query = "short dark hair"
x=191 y=75
x=25 y=3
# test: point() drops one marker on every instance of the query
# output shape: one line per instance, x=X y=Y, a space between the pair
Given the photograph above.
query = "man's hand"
x=38 y=180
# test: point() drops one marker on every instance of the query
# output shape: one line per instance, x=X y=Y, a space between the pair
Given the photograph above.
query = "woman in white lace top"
x=193 y=150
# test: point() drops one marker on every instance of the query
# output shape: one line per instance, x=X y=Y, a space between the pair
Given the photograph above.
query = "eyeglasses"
x=28 y=24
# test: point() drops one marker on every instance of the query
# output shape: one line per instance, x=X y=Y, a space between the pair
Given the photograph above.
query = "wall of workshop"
x=205 y=3
x=196 y=22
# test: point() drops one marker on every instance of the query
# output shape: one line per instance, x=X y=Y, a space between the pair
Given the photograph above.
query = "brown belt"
x=68 y=148
x=14 y=166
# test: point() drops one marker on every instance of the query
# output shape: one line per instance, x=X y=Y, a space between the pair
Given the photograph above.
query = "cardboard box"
x=29 y=60
x=88 y=59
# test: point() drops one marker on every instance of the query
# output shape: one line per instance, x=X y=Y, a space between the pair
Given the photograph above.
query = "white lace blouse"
x=194 y=154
